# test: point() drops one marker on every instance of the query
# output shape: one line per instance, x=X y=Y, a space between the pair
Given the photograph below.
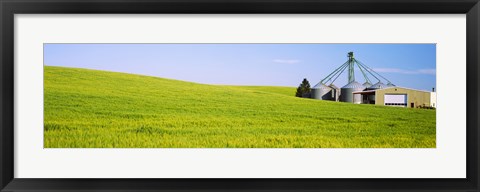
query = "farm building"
x=398 y=97
x=367 y=93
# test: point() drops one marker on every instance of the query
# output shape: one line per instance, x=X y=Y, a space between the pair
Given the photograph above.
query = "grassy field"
x=98 y=109
x=288 y=91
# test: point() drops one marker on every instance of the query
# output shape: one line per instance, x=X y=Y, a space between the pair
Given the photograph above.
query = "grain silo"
x=346 y=94
x=367 y=84
x=378 y=85
x=321 y=91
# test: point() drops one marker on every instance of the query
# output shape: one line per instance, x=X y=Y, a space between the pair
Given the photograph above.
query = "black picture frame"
x=11 y=7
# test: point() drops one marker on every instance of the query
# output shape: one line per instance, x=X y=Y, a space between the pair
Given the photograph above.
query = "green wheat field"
x=98 y=109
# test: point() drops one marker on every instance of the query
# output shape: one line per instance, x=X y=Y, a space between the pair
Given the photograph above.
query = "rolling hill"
x=99 y=109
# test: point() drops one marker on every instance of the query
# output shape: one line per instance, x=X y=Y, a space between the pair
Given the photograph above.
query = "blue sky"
x=406 y=65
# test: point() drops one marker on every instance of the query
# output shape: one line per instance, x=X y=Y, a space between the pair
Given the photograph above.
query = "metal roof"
x=320 y=86
x=354 y=84
x=367 y=84
x=407 y=88
x=378 y=85
x=368 y=91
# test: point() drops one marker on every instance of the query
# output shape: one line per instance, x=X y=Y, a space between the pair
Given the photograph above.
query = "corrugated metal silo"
x=322 y=92
x=346 y=94
x=378 y=85
x=367 y=84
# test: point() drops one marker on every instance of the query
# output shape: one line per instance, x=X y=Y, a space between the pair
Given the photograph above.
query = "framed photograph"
x=154 y=95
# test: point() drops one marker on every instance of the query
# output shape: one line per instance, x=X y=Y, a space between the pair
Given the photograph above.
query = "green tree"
x=303 y=89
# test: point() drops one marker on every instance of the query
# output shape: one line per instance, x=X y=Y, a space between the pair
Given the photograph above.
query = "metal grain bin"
x=378 y=85
x=367 y=84
x=322 y=92
x=346 y=92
